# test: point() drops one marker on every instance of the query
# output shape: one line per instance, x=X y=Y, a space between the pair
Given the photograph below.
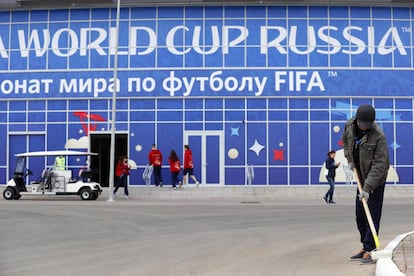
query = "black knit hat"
x=365 y=116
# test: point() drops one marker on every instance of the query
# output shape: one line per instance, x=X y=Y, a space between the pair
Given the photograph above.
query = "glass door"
x=208 y=156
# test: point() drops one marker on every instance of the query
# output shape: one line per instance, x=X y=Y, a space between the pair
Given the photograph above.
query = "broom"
x=367 y=212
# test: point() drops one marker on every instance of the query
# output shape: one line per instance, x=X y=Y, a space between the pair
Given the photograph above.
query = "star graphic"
x=257 y=147
x=235 y=131
x=278 y=154
x=395 y=145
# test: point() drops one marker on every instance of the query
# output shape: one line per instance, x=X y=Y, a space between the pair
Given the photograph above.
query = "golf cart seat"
x=75 y=179
x=42 y=177
x=84 y=175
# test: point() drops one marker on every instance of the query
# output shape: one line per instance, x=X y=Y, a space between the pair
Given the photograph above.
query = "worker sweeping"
x=366 y=149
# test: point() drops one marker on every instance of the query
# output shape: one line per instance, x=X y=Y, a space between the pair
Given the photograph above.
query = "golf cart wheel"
x=9 y=193
x=86 y=193
x=95 y=195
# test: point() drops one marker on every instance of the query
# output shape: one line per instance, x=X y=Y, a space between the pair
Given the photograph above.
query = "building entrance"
x=101 y=144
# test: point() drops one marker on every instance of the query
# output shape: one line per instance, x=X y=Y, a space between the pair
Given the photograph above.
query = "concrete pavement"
x=164 y=233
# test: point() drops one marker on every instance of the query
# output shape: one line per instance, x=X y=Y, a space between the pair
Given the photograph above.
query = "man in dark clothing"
x=365 y=148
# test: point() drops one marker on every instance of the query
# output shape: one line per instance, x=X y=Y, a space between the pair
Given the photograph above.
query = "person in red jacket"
x=188 y=165
x=155 y=159
x=122 y=172
x=175 y=168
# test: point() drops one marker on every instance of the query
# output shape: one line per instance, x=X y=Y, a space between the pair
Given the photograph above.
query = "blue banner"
x=206 y=83
x=208 y=51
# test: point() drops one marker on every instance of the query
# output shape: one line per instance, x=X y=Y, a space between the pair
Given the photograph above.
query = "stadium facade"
x=268 y=87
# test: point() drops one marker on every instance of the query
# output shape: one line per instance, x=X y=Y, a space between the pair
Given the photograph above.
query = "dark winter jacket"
x=330 y=166
x=373 y=154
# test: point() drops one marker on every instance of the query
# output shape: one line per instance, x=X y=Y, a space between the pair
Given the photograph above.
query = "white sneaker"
x=126 y=197
x=180 y=184
x=197 y=184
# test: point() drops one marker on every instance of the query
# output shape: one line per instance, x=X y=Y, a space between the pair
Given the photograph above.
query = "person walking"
x=330 y=166
x=175 y=168
x=189 y=166
x=122 y=171
x=155 y=159
x=366 y=150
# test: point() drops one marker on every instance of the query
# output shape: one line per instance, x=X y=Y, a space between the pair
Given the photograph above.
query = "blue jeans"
x=174 y=177
x=121 y=180
x=330 y=192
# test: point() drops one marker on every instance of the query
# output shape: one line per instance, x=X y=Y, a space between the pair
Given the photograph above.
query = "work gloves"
x=363 y=194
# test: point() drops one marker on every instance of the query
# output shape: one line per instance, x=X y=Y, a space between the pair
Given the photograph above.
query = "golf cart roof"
x=54 y=153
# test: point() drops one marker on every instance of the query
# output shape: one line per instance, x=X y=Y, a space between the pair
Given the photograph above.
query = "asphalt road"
x=132 y=237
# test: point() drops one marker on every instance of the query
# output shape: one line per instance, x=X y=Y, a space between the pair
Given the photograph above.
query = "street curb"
x=385 y=264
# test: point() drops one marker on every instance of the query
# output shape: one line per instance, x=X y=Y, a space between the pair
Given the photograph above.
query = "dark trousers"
x=330 y=192
x=157 y=175
x=375 y=206
x=174 y=177
x=121 y=180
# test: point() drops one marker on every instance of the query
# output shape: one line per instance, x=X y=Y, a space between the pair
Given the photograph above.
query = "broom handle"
x=367 y=211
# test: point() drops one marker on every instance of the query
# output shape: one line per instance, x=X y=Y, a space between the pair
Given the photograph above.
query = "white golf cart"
x=52 y=181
